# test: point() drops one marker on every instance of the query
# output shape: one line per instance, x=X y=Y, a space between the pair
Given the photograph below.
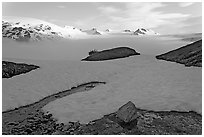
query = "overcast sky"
x=164 y=18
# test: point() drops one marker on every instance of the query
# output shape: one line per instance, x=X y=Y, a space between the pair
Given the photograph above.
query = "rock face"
x=127 y=112
x=189 y=55
x=115 y=53
x=10 y=69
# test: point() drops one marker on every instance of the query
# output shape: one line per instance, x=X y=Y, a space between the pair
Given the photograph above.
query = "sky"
x=162 y=17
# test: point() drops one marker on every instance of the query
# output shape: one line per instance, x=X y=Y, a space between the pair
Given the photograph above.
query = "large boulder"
x=115 y=53
x=127 y=112
x=189 y=55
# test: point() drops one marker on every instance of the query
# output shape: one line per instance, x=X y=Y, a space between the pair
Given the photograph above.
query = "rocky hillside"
x=189 y=55
x=115 y=53
x=10 y=69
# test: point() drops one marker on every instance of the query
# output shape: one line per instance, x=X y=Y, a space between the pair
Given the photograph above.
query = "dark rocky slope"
x=189 y=55
x=115 y=53
x=10 y=69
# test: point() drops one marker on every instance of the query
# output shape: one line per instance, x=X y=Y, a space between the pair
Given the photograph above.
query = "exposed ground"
x=189 y=55
x=10 y=69
x=115 y=53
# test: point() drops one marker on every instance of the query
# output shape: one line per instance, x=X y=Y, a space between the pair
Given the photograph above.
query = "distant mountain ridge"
x=30 y=29
x=93 y=31
x=142 y=31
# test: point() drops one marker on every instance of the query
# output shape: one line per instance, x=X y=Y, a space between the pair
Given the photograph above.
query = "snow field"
x=150 y=84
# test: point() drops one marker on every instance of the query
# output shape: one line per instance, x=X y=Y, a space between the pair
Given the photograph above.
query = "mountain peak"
x=143 y=31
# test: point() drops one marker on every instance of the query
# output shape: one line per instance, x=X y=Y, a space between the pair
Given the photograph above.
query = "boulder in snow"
x=127 y=112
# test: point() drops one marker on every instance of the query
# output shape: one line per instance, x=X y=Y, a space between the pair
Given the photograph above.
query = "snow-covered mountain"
x=20 y=32
x=30 y=29
x=93 y=31
x=142 y=31
x=74 y=32
x=139 y=31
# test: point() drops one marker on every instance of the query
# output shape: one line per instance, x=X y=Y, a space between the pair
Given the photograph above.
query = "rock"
x=189 y=55
x=115 y=53
x=112 y=129
x=10 y=69
x=67 y=127
x=127 y=112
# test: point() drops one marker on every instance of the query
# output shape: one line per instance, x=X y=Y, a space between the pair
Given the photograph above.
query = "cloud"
x=108 y=9
x=61 y=6
x=136 y=15
x=185 y=4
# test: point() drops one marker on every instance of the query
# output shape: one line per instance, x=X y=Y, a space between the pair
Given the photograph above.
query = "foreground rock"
x=127 y=112
x=189 y=55
x=134 y=122
x=10 y=69
x=115 y=53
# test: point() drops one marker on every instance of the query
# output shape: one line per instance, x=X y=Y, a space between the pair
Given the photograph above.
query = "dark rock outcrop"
x=127 y=112
x=115 y=53
x=189 y=55
x=10 y=69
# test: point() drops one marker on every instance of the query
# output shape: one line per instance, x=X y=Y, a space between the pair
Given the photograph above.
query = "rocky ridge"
x=189 y=55
x=10 y=69
x=114 y=53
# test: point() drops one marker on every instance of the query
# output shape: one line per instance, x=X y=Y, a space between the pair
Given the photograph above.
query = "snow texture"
x=44 y=30
x=147 y=82
x=144 y=80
